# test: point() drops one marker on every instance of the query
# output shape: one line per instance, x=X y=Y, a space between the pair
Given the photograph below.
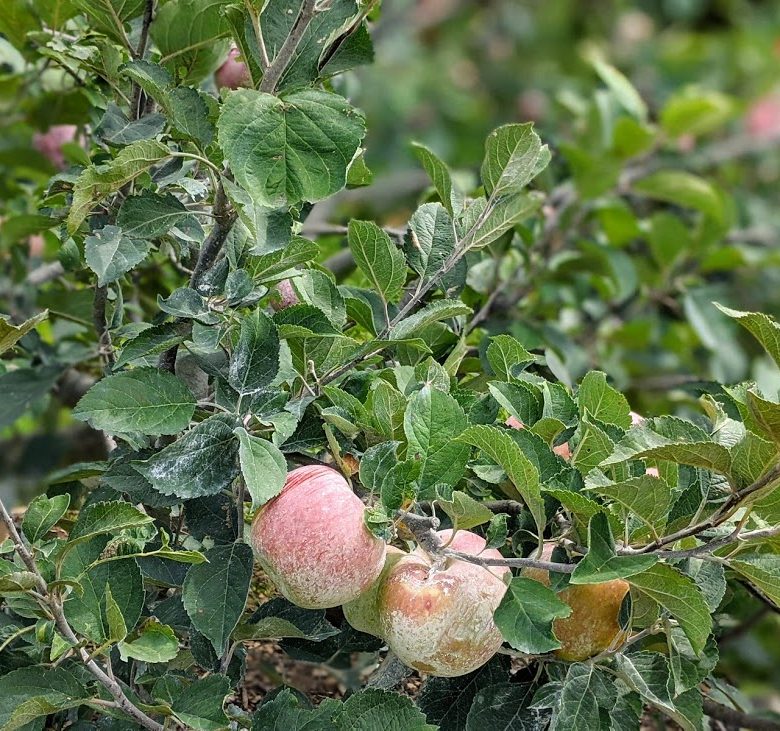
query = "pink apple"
x=285 y=296
x=50 y=142
x=437 y=617
x=763 y=117
x=233 y=74
x=312 y=541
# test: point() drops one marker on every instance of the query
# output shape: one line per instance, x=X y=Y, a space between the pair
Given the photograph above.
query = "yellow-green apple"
x=312 y=541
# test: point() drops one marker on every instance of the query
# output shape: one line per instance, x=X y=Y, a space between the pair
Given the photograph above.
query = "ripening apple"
x=312 y=541
x=50 y=142
x=593 y=625
x=285 y=297
x=562 y=450
x=233 y=74
x=438 y=618
x=762 y=119
x=362 y=613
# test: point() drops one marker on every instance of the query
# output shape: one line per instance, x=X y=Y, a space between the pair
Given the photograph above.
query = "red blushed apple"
x=363 y=613
x=562 y=450
x=312 y=541
x=50 y=142
x=763 y=117
x=233 y=74
x=438 y=619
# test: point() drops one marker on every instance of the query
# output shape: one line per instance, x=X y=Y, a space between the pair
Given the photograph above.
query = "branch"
x=54 y=605
x=738 y=718
x=101 y=325
x=718 y=518
x=45 y=273
x=282 y=60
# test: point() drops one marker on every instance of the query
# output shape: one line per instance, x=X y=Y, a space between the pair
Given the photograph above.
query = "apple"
x=312 y=541
x=593 y=625
x=437 y=615
x=562 y=450
x=286 y=296
x=362 y=613
x=233 y=74
x=50 y=142
x=762 y=119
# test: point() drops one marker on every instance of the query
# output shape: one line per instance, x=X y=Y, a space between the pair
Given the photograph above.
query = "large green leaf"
x=42 y=514
x=255 y=360
x=289 y=149
x=215 y=592
x=761 y=570
x=526 y=614
x=202 y=462
x=31 y=692
x=505 y=707
x=430 y=240
x=514 y=156
x=111 y=16
x=504 y=451
x=432 y=421
x=110 y=253
x=144 y=400
x=263 y=467
x=379 y=258
x=107 y=518
x=373 y=709
x=683 y=189
x=762 y=327
x=199 y=706
x=679 y=595
x=11 y=334
x=435 y=311
x=603 y=402
x=96 y=183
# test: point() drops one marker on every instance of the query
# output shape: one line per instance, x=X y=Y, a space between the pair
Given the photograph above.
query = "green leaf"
x=504 y=707
x=263 y=466
x=447 y=701
x=696 y=112
x=255 y=360
x=289 y=149
x=647 y=497
x=199 y=706
x=151 y=215
x=576 y=503
x=514 y=156
x=111 y=16
x=379 y=258
x=149 y=342
x=522 y=400
x=432 y=421
x=42 y=515
x=278 y=618
x=601 y=563
x=155 y=642
x=432 y=312
x=23 y=388
x=215 y=593
x=185 y=302
x=680 y=596
x=766 y=413
x=96 y=183
x=400 y=484
x=578 y=700
x=763 y=571
x=526 y=614
x=107 y=517
x=507 y=357
x=683 y=189
x=11 y=334
x=117 y=630
x=31 y=692
x=485 y=227
x=622 y=88
x=497 y=532
x=375 y=464
x=465 y=512
x=603 y=402
x=110 y=253
x=317 y=289
x=117 y=129
x=90 y=612
x=504 y=451
x=430 y=240
x=440 y=177
x=191 y=37
x=144 y=400
x=374 y=709
x=762 y=327
x=287 y=711
x=202 y=462
x=593 y=447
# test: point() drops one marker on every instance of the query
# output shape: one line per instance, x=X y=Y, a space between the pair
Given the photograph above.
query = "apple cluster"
x=434 y=612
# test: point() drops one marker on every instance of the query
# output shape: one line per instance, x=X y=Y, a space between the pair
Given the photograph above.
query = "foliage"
x=180 y=213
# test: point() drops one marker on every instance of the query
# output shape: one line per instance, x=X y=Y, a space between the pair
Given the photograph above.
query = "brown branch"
x=738 y=718
x=282 y=60
x=54 y=605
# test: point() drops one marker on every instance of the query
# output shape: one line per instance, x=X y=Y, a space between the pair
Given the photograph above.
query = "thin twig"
x=101 y=325
x=738 y=718
x=279 y=65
